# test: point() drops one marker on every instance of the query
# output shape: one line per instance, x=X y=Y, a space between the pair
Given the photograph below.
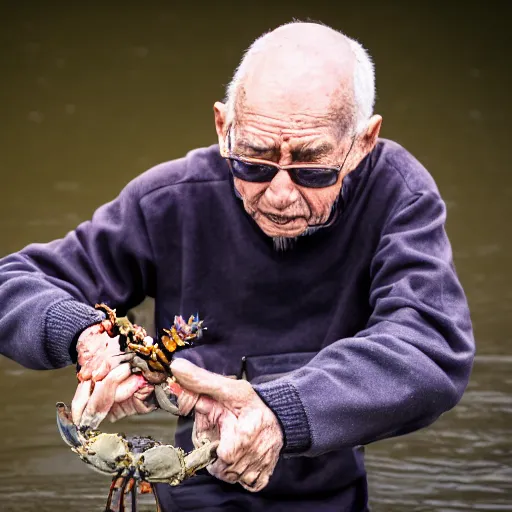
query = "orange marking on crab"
x=161 y=355
x=176 y=337
x=141 y=349
x=145 y=488
x=168 y=343
x=156 y=365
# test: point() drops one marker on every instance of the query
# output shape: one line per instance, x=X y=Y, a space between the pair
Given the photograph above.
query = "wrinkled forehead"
x=277 y=125
x=304 y=135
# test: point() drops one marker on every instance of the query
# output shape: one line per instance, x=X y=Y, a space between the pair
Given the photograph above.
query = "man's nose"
x=282 y=192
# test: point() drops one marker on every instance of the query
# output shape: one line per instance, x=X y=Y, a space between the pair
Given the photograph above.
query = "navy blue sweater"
x=361 y=331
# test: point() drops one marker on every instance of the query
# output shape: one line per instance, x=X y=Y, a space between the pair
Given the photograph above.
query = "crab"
x=134 y=462
x=153 y=357
x=140 y=462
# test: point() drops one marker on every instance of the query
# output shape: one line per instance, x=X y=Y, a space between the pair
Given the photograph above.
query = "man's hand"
x=232 y=412
x=107 y=387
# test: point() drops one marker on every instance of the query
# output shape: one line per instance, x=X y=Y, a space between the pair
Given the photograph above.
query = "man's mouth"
x=279 y=219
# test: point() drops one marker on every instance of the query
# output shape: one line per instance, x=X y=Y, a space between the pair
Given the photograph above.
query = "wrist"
x=64 y=323
x=283 y=399
x=82 y=340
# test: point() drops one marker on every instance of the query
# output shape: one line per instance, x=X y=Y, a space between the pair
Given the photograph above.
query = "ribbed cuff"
x=65 y=320
x=284 y=400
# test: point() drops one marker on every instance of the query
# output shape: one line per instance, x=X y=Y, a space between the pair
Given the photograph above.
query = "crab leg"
x=118 y=501
x=131 y=488
x=108 y=507
x=117 y=492
x=200 y=457
x=133 y=495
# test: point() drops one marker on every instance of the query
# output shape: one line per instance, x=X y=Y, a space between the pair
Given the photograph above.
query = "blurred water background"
x=93 y=94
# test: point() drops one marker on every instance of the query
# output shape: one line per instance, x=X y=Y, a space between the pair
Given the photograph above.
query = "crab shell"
x=142 y=457
x=107 y=453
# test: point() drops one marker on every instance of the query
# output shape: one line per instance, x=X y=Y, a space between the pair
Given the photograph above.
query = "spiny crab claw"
x=131 y=460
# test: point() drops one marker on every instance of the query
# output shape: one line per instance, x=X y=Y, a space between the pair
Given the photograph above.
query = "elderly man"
x=316 y=254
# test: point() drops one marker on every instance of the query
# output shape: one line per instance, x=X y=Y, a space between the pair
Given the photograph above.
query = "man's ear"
x=371 y=135
x=366 y=141
x=219 y=110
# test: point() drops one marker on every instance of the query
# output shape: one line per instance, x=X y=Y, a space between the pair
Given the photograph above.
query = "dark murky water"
x=92 y=97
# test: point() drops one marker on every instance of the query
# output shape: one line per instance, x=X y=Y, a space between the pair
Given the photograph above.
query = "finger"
x=91 y=358
x=257 y=475
x=144 y=391
x=230 y=477
x=84 y=374
x=94 y=349
x=143 y=407
x=245 y=464
x=186 y=402
x=86 y=369
x=257 y=457
x=106 y=326
x=201 y=381
x=203 y=430
x=175 y=399
x=128 y=407
x=101 y=372
x=249 y=479
x=205 y=405
x=229 y=449
x=253 y=467
x=82 y=394
x=115 y=414
x=219 y=470
x=259 y=483
x=103 y=395
x=127 y=388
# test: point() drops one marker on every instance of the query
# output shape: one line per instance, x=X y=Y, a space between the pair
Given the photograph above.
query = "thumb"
x=201 y=381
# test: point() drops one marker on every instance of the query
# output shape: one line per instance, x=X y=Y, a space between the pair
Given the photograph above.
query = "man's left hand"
x=107 y=388
x=232 y=412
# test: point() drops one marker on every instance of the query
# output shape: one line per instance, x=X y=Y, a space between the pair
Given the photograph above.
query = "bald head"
x=300 y=67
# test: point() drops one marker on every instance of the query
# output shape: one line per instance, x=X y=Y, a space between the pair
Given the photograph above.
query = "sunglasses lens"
x=255 y=173
x=304 y=176
x=315 y=178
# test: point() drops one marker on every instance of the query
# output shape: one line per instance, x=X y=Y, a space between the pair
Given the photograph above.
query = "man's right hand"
x=107 y=387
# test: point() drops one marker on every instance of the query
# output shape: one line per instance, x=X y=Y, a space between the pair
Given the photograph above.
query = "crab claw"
x=166 y=400
x=201 y=457
x=66 y=426
x=171 y=397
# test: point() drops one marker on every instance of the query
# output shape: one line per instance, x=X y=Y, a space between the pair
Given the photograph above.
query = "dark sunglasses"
x=256 y=170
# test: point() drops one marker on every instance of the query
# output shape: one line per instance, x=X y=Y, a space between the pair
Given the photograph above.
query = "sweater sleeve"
x=47 y=291
x=409 y=365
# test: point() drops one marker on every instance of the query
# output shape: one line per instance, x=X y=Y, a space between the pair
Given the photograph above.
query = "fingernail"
x=231 y=477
